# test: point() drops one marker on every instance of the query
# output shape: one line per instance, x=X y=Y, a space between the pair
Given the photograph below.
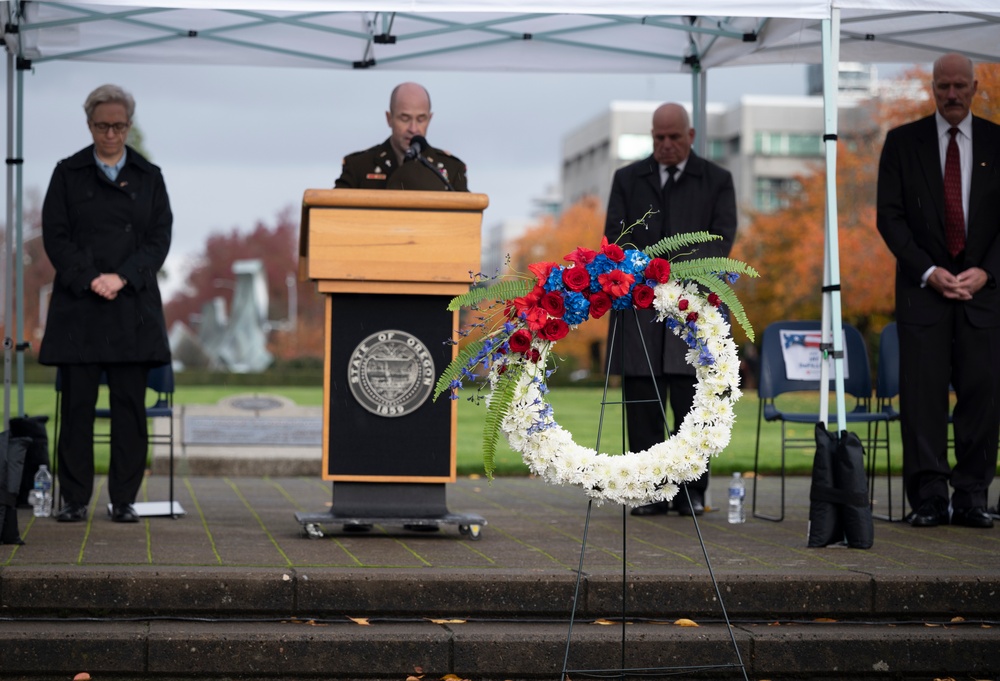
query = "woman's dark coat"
x=90 y=226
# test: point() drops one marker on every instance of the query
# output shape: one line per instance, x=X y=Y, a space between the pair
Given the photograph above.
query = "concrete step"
x=308 y=593
x=483 y=650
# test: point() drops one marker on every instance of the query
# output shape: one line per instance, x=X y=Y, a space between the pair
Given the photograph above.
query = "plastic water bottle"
x=737 y=493
x=41 y=496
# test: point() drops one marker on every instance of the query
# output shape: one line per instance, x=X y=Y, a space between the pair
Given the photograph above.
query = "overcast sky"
x=239 y=144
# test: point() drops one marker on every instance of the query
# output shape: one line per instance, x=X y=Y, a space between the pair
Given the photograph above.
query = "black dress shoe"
x=124 y=513
x=72 y=513
x=696 y=507
x=655 y=508
x=931 y=513
x=972 y=517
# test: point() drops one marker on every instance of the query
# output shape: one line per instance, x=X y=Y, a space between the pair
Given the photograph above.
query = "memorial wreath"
x=522 y=317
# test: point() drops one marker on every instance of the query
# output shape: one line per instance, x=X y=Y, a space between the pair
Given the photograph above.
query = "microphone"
x=418 y=145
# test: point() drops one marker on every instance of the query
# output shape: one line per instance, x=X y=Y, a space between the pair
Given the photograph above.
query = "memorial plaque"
x=246 y=430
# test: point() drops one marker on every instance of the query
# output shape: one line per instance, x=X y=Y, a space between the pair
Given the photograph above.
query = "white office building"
x=764 y=141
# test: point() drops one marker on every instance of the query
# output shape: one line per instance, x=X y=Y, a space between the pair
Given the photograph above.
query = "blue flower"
x=622 y=302
x=555 y=280
x=577 y=308
x=635 y=261
x=601 y=264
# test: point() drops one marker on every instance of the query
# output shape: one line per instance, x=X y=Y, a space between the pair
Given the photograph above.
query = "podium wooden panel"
x=388 y=262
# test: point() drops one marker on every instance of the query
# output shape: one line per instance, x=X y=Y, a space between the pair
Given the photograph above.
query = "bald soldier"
x=385 y=166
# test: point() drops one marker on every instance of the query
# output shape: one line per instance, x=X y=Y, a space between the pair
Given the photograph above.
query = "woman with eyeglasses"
x=106 y=225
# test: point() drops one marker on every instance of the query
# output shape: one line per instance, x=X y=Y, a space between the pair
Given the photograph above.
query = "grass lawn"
x=576 y=409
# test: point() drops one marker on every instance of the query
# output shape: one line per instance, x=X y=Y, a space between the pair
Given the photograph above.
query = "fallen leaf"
x=957 y=619
x=685 y=622
x=824 y=619
x=413 y=678
x=604 y=622
x=448 y=621
x=82 y=676
x=363 y=621
x=314 y=623
x=451 y=677
x=931 y=624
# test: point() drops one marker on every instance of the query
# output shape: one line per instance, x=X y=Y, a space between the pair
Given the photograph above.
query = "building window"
x=716 y=149
x=787 y=144
x=632 y=147
x=771 y=193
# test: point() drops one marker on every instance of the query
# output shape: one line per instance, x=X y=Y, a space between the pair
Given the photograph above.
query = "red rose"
x=692 y=316
x=658 y=270
x=542 y=270
x=600 y=303
x=555 y=329
x=534 y=355
x=713 y=299
x=642 y=296
x=613 y=251
x=553 y=303
x=581 y=256
x=520 y=341
x=682 y=304
x=576 y=278
x=616 y=283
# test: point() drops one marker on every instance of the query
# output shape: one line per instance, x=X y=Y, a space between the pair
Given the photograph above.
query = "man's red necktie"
x=954 y=217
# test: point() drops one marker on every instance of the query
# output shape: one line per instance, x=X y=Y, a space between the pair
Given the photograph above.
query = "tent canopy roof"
x=590 y=36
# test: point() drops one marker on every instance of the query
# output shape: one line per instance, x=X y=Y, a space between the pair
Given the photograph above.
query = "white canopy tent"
x=590 y=36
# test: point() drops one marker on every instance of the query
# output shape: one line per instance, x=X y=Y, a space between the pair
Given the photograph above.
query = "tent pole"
x=8 y=296
x=832 y=319
x=20 y=347
x=699 y=116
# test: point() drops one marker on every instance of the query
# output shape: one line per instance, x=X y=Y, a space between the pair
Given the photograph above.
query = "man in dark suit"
x=939 y=213
x=688 y=194
x=385 y=165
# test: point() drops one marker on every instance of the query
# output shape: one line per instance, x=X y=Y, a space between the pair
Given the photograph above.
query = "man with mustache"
x=939 y=214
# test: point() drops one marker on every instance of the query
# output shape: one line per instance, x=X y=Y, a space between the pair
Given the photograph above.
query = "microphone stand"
x=437 y=172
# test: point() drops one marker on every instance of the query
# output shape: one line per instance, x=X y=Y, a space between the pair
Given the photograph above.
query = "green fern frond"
x=728 y=297
x=677 y=242
x=706 y=266
x=454 y=369
x=507 y=289
x=500 y=402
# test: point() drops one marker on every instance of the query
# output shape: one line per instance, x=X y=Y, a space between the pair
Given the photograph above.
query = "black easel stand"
x=621 y=672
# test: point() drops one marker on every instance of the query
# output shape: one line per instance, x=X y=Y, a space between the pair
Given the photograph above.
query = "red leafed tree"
x=211 y=276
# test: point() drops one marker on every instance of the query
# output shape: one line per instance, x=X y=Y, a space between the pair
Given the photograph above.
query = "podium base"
x=419 y=507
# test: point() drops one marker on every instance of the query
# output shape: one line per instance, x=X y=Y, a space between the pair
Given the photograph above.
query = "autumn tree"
x=210 y=275
x=787 y=246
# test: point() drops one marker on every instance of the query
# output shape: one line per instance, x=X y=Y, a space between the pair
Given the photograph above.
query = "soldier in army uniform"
x=385 y=166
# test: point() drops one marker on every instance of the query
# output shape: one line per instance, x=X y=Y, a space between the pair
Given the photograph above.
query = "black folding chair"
x=774 y=382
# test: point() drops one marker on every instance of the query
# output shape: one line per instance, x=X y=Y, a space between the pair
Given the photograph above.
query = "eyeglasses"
x=104 y=127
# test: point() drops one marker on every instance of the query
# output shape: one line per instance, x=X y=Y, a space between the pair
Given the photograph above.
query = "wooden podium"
x=388 y=263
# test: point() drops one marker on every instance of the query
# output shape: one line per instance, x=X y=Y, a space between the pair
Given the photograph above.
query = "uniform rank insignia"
x=375 y=176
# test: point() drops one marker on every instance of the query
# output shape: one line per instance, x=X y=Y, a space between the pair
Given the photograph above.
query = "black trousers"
x=930 y=357
x=646 y=401
x=129 y=434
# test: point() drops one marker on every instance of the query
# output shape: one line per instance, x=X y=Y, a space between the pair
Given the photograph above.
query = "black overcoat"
x=703 y=199
x=90 y=226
